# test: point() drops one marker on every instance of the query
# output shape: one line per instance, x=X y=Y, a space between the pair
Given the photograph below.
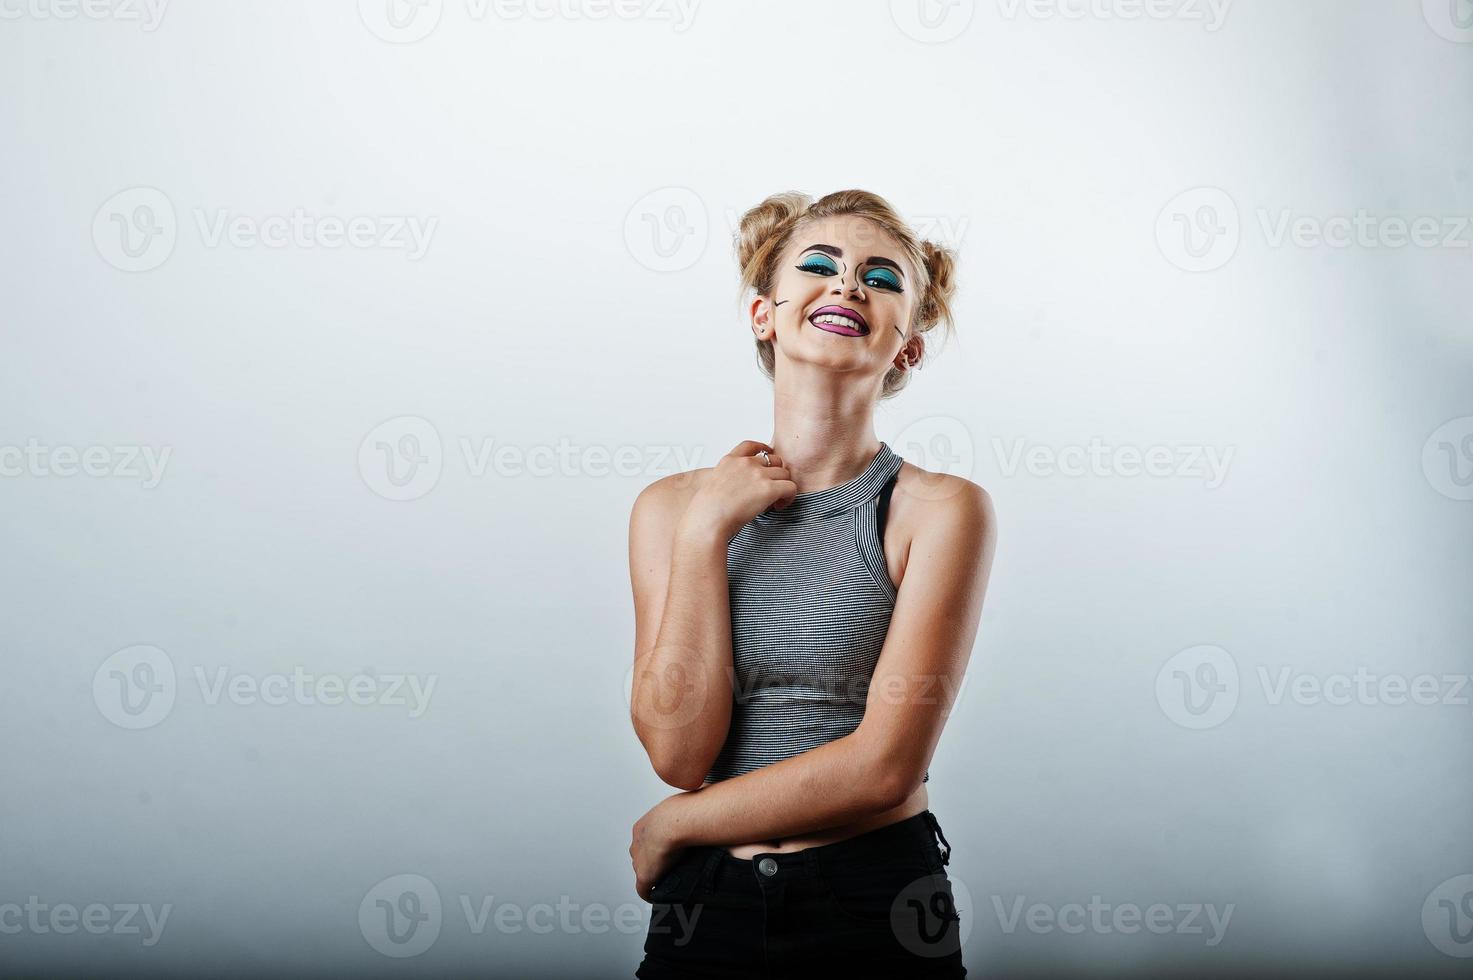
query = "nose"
x=855 y=287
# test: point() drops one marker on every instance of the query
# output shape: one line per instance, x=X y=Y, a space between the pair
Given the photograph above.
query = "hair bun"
x=941 y=268
x=760 y=224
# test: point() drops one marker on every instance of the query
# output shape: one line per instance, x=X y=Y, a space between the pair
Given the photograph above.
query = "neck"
x=823 y=425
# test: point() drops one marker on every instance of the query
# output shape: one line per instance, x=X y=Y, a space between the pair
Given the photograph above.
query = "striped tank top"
x=810 y=606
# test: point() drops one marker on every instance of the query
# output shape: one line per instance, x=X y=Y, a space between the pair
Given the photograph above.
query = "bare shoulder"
x=943 y=504
x=660 y=504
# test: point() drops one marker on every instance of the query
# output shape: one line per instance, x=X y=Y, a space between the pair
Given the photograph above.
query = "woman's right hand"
x=737 y=489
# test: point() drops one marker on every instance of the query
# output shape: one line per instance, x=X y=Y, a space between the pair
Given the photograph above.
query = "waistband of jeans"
x=811 y=860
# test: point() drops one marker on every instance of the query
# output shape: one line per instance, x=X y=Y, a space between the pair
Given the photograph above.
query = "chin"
x=838 y=359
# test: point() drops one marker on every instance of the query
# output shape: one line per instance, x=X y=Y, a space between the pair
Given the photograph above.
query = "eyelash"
x=822 y=268
x=818 y=266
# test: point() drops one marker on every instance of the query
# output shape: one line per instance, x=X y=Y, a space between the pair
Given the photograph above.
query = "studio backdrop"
x=339 y=338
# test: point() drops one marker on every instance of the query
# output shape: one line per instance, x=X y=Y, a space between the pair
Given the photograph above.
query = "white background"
x=1050 y=145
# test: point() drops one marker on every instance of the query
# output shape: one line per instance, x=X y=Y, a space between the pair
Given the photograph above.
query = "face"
x=843 y=297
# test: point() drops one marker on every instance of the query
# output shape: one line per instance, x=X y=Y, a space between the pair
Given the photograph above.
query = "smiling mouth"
x=840 y=320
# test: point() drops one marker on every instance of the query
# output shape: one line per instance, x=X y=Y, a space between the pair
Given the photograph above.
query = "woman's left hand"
x=654 y=849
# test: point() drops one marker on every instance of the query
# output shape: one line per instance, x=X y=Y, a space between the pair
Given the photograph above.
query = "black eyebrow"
x=838 y=253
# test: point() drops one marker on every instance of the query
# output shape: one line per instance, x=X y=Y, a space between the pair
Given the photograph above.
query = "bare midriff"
x=915 y=804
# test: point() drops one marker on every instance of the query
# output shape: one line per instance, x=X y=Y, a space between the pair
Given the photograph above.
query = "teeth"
x=835 y=318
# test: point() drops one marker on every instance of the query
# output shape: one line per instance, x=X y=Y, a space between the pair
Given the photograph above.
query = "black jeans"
x=879 y=904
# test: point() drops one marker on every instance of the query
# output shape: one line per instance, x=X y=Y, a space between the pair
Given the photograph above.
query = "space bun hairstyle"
x=767 y=229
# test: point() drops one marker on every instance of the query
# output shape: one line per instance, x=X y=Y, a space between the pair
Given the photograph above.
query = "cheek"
x=798 y=284
x=795 y=294
x=898 y=311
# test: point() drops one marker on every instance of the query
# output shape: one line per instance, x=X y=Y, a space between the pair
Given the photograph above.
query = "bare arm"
x=878 y=766
x=681 y=698
x=683 y=675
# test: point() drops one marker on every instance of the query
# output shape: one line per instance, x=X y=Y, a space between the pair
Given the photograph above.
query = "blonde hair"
x=767 y=228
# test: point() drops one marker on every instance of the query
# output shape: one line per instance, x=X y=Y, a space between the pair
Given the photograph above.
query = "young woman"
x=804 y=613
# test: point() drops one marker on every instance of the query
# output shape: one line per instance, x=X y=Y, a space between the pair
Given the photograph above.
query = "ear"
x=910 y=353
x=763 y=315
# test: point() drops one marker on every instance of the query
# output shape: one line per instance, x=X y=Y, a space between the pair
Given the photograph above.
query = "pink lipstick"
x=840 y=320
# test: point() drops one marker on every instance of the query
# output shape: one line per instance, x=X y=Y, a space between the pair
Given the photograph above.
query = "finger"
x=775 y=472
x=790 y=490
x=750 y=447
x=773 y=460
